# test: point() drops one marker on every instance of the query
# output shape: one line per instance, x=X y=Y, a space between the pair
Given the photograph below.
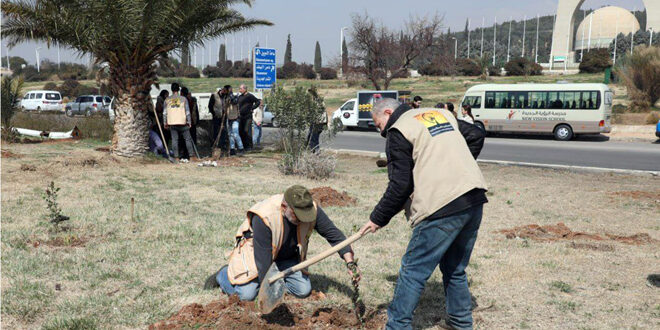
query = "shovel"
x=272 y=287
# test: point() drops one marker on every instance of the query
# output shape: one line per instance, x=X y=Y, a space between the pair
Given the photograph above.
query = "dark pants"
x=445 y=243
x=313 y=136
x=222 y=144
x=185 y=131
x=245 y=131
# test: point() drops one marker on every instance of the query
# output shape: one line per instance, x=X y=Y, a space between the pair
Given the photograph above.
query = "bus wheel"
x=563 y=132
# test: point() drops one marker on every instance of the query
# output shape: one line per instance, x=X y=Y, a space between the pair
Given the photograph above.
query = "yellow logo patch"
x=435 y=122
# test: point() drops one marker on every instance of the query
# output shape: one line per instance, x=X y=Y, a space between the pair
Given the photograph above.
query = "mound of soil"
x=235 y=314
x=60 y=241
x=235 y=161
x=28 y=168
x=553 y=233
x=327 y=196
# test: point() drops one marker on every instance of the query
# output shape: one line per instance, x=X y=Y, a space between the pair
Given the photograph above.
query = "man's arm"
x=263 y=250
x=255 y=102
x=211 y=104
x=326 y=228
x=474 y=137
x=188 y=119
x=400 y=187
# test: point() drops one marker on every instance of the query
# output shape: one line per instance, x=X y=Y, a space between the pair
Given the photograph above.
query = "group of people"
x=466 y=110
x=433 y=177
x=237 y=119
x=176 y=117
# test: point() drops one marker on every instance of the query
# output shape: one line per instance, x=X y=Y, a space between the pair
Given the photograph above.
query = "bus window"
x=538 y=100
x=473 y=101
x=490 y=100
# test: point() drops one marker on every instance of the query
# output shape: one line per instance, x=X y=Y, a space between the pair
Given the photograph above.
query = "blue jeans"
x=256 y=134
x=444 y=242
x=234 y=137
x=297 y=284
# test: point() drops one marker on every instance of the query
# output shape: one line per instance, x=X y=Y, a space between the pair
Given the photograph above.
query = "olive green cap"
x=300 y=200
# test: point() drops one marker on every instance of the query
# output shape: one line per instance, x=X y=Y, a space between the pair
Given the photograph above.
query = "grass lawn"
x=111 y=271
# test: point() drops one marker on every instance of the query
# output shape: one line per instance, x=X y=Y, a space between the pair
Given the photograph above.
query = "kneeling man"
x=276 y=230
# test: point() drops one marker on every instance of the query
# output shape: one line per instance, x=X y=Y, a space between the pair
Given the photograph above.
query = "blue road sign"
x=264 y=71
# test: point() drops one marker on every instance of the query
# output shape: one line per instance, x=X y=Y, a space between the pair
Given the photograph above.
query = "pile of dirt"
x=62 y=241
x=327 y=196
x=28 y=168
x=558 y=232
x=235 y=314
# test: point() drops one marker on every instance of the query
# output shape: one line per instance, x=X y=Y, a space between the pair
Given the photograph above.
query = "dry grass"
x=130 y=274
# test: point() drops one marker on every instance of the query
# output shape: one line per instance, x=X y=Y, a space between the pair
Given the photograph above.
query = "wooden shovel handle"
x=316 y=258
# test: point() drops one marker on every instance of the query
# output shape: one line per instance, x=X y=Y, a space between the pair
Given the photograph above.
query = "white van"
x=42 y=101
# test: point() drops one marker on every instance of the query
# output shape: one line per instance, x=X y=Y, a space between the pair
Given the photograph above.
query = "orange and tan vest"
x=242 y=266
x=176 y=111
x=444 y=168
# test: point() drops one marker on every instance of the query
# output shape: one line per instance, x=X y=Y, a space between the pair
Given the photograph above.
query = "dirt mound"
x=28 y=168
x=327 y=196
x=62 y=241
x=552 y=233
x=235 y=162
x=235 y=314
x=9 y=154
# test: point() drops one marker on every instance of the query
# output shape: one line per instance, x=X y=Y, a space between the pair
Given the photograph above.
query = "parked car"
x=42 y=101
x=88 y=105
x=269 y=118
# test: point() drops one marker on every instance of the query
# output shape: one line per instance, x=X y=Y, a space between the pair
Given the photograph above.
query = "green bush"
x=522 y=67
x=468 y=67
x=640 y=73
x=328 y=73
x=596 y=60
x=288 y=71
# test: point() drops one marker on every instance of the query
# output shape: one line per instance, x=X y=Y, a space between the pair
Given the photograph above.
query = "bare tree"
x=383 y=54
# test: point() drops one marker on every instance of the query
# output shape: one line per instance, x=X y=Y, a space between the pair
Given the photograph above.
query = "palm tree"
x=11 y=93
x=132 y=36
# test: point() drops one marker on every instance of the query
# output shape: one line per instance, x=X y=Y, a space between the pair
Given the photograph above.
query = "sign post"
x=264 y=72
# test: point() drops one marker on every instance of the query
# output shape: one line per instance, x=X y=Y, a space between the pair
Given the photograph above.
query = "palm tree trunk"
x=131 y=130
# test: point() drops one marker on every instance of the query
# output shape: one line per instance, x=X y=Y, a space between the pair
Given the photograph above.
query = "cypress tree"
x=222 y=55
x=317 y=58
x=344 y=56
x=287 y=53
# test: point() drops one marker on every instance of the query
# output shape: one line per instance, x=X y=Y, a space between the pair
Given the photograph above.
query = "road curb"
x=574 y=168
x=571 y=167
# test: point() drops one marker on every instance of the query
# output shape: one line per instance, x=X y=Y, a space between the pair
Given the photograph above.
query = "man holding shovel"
x=276 y=231
x=431 y=168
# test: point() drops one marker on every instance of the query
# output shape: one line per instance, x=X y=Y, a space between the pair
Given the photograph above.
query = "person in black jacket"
x=246 y=103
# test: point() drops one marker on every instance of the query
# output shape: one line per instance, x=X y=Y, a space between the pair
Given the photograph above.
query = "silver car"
x=88 y=105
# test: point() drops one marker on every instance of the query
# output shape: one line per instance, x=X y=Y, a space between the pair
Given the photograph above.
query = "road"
x=585 y=151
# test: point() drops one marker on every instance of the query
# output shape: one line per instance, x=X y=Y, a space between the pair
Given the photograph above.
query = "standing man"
x=177 y=118
x=233 y=125
x=246 y=103
x=417 y=102
x=428 y=155
x=219 y=114
x=257 y=121
x=277 y=230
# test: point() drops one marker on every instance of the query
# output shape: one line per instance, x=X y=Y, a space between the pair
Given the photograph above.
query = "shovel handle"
x=316 y=258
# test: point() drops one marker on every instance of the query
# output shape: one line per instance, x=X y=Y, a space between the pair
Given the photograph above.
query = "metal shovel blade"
x=270 y=294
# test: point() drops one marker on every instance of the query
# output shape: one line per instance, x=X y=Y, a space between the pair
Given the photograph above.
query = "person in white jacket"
x=257 y=121
x=467 y=114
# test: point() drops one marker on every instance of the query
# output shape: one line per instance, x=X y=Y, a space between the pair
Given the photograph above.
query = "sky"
x=309 y=21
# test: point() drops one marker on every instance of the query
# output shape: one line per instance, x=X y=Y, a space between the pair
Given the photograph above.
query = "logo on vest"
x=175 y=103
x=435 y=122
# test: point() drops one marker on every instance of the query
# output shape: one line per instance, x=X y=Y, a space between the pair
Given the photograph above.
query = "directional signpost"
x=264 y=71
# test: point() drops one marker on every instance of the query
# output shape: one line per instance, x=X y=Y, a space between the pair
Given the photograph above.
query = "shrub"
x=468 y=67
x=640 y=73
x=328 y=73
x=494 y=70
x=288 y=71
x=522 y=67
x=296 y=110
x=69 y=88
x=439 y=66
x=10 y=93
x=595 y=61
x=652 y=118
x=316 y=166
x=307 y=71
x=49 y=86
x=212 y=71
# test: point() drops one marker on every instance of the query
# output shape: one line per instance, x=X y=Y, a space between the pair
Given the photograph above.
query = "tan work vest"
x=444 y=167
x=242 y=266
x=176 y=111
x=217 y=105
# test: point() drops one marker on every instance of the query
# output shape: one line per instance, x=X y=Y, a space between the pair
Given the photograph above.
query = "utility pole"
x=455 y=48
x=536 y=48
x=591 y=19
x=508 y=44
x=650 y=38
x=615 y=39
x=524 y=31
x=468 y=55
x=483 y=21
x=494 y=39
x=584 y=15
x=36 y=51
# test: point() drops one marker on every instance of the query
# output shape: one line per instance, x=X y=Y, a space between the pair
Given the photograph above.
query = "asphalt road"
x=585 y=151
